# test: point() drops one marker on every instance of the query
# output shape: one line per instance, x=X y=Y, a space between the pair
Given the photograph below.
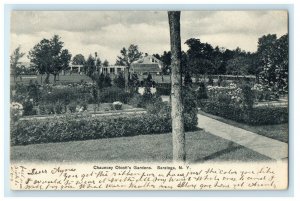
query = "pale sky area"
x=106 y=32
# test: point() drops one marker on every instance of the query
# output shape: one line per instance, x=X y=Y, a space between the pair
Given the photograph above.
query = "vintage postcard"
x=149 y=100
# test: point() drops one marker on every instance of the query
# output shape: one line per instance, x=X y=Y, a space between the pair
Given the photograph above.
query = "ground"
x=201 y=147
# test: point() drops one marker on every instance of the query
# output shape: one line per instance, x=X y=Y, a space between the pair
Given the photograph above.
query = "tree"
x=176 y=83
x=128 y=56
x=282 y=63
x=78 y=59
x=238 y=66
x=89 y=67
x=119 y=81
x=272 y=55
x=98 y=65
x=14 y=60
x=107 y=81
x=199 y=57
x=105 y=63
x=49 y=57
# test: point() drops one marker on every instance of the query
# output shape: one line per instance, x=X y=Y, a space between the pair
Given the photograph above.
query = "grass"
x=276 y=131
x=200 y=147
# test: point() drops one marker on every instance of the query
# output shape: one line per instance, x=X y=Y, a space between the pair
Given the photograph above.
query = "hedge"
x=263 y=115
x=87 y=127
x=163 y=89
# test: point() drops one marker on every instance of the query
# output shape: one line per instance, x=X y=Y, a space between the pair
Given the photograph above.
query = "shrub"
x=112 y=94
x=190 y=108
x=72 y=107
x=42 y=110
x=65 y=95
x=136 y=101
x=255 y=116
x=202 y=91
x=247 y=96
x=87 y=127
x=28 y=108
x=59 y=108
x=119 y=81
x=84 y=105
x=50 y=109
x=117 y=105
x=16 y=111
x=159 y=108
x=163 y=89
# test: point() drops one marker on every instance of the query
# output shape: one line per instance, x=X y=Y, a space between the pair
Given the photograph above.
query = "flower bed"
x=255 y=116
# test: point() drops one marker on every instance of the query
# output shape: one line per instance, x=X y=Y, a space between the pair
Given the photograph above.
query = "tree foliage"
x=49 y=57
x=272 y=55
x=90 y=67
x=129 y=55
x=78 y=59
x=14 y=61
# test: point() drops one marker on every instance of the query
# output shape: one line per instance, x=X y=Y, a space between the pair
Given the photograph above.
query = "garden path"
x=269 y=147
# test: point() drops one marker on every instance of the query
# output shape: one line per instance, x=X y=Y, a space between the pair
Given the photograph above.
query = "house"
x=147 y=64
x=112 y=69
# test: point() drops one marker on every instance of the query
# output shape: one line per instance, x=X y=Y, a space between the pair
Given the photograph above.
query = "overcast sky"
x=106 y=32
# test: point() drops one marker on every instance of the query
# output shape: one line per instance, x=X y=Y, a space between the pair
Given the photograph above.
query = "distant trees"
x=128 y=56
x=14 y=60
x=89 y=66
x=105 y=63
x=49 y=57
x=78 y=59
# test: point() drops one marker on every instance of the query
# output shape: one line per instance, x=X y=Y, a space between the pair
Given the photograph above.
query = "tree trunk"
x=54 y=79
x=179 y=154
x=47 y=78
x=126 y=73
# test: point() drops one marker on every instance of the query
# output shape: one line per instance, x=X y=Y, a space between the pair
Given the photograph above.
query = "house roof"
x=149 y=59
x=144 y=68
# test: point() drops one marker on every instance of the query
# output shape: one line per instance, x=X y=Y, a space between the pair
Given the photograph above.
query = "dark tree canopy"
x=49 y=57
x=78 y=59
x=105 y=63
x=90 y=67
x=272 y=54
x=129 y=55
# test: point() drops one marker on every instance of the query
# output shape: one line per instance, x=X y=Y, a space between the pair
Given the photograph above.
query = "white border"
x=294 y=98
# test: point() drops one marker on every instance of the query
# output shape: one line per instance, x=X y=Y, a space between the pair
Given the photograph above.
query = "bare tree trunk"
x=179 y=154
x=126 y=73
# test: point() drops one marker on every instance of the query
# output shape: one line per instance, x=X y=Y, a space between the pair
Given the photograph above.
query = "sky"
x=107 y=32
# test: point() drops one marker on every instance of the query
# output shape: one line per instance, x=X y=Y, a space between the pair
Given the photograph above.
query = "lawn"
x=200 y=147
x=276 y=131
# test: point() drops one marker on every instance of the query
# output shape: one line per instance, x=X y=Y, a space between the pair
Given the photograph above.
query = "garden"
x=43 y=113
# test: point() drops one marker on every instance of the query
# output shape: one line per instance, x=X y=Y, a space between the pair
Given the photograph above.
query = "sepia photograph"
x=194 y=87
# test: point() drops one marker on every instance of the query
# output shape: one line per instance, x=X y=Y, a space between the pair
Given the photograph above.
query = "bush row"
x=88 y=127
x=256 y=116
